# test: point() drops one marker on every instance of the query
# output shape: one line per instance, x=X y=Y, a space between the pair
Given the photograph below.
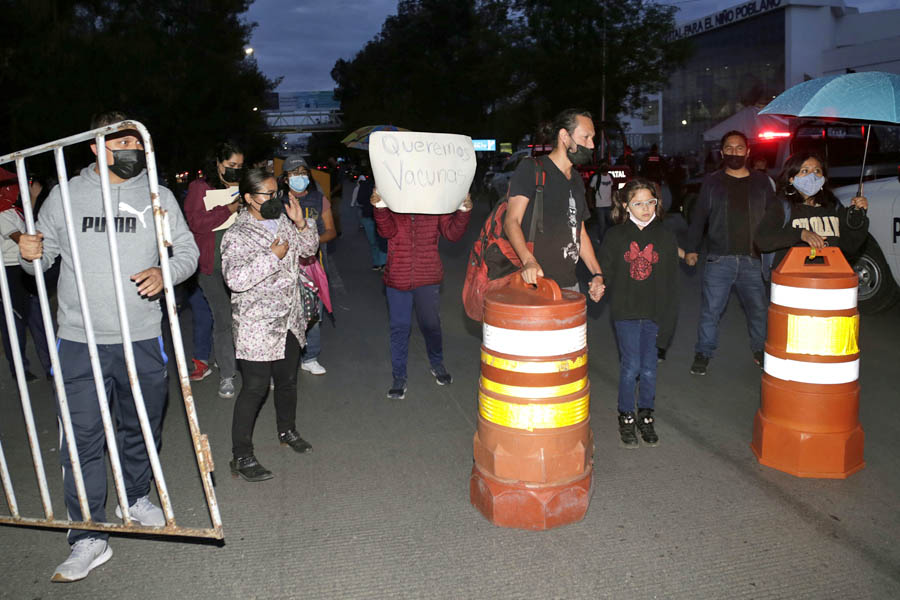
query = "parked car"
x=878 y=266
x=499 y=182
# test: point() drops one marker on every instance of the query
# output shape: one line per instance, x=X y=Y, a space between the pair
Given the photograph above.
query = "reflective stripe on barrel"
x=531 y=368
x=535 y=343
x=811 y=372
x=533 y=416
x=521 y=391
x=823 y=336
x=822 y=299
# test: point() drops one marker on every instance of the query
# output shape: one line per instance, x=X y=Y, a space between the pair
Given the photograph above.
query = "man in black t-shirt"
x=562 y=240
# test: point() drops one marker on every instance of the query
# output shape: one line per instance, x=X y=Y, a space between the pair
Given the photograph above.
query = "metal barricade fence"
x=200 y=441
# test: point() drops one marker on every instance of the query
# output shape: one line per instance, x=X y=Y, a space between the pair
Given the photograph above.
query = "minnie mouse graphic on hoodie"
x=640 y=271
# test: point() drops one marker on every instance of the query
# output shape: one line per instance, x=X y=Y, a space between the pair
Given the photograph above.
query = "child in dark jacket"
x=639 y=261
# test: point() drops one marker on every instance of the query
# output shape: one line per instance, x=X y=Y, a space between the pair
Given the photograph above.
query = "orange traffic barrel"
x=808 y=420
x=533 y=448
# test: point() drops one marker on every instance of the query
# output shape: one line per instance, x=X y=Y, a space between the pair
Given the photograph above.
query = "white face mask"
x=638 y=222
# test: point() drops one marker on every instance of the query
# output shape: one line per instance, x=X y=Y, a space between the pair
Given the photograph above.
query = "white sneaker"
x=86 y=554
x=313 y=367
x=145 y=512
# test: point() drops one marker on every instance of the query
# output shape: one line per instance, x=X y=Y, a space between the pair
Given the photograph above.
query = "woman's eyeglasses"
x=270 y=195
x=652 y=202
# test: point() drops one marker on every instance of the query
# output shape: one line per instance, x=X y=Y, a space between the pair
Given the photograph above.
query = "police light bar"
x=772 y=135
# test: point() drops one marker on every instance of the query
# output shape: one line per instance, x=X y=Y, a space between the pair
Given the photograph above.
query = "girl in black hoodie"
x=808 y=213
x=639 y=263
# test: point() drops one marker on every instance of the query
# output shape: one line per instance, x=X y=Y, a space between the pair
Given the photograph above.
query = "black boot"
x=645 y=426
x=249 y=468
x=292 y=438
x=626 y=430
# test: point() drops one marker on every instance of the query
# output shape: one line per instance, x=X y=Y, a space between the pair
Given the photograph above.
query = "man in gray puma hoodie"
x=142 y=278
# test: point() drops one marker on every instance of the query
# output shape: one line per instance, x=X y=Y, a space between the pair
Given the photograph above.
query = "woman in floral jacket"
x=261 y=256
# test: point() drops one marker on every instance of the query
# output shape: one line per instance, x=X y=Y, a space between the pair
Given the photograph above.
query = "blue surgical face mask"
x=809 y=184
x=298 y=183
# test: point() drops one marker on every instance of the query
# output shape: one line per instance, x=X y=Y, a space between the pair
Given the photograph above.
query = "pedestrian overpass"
x=312 y=120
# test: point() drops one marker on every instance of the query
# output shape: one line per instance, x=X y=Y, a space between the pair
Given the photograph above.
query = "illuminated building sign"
x=485 y=145
x=728 y=16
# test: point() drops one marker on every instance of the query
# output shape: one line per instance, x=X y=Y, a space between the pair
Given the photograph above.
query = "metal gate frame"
x=200 y=441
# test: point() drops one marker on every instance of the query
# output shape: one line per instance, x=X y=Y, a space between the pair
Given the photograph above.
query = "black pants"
x=255 y=389
x=87 y=425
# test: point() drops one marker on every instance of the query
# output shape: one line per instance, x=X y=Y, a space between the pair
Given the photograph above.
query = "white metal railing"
x=200 y=441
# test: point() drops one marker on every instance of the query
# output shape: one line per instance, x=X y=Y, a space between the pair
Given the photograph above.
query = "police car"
x=878 y=266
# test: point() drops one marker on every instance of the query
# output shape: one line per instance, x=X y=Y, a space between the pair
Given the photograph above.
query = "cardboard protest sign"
x=214 y=198
x=420 y=172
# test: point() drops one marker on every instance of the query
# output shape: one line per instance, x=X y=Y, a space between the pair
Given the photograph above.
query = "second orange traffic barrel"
x=533 y=448
x=808 y=420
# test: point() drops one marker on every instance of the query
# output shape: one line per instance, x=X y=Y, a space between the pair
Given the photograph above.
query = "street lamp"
x=248 y=51
x=255 y=108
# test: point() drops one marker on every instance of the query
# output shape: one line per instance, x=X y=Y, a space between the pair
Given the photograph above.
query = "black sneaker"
x=627 y=430
x=441 y=375
x=699 y=365
x=292 y=438
x=249 y=468
x=398 y=390
x=645 y=426
x=758 y=358
x=660 y=355
x=29 y=376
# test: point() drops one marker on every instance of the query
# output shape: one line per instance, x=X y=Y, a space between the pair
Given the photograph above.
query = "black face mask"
x=127 y=163
x=271 y=208
x=232 y=175
x=581 y=156
x=734 y=161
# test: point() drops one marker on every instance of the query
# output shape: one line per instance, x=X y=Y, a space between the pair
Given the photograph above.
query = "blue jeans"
x=637 y=357
x=377 y=244
x=313 y=346
x=722 y=273
x=427 y=302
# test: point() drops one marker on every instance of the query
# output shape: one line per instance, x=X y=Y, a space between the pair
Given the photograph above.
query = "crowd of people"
x=249 y=251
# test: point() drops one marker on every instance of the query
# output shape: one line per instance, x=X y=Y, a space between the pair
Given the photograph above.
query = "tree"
x=176 y=65
x=437 y=64
x=497 y=68
x=564 y=43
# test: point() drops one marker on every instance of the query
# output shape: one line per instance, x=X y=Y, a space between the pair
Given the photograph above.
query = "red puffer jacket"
x=413 y=259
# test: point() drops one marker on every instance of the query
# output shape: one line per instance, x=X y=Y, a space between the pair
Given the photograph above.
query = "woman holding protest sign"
x=412 y=278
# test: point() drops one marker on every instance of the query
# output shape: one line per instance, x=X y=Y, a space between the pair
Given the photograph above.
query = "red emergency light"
x=773 y=135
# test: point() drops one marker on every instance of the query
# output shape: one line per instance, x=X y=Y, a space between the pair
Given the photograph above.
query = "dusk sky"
x=301 y=39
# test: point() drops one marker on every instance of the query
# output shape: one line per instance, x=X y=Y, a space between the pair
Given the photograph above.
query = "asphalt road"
x=381 y=507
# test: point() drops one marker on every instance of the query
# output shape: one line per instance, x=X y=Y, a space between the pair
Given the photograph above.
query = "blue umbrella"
x=870 y=97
